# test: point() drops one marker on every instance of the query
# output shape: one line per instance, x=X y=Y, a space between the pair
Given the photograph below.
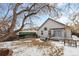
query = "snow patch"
x=21 y=49
x=72 y=51
x=75 y=37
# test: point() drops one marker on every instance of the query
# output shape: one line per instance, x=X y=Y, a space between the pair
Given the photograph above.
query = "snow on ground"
x=21 y=48
x=28 y=51
x=58 y=43
x=24 y=48
x=72 y=51
x=75 y=37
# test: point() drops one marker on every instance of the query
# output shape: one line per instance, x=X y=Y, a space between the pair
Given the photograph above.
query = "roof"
x=52 y=20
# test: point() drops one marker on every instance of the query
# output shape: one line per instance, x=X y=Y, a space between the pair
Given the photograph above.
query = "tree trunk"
x=10 y=31
x=7 y=36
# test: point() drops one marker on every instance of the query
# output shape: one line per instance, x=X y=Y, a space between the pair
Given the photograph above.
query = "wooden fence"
x=70 y=42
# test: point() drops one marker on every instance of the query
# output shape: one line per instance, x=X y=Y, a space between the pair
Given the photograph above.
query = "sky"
x=63 y=19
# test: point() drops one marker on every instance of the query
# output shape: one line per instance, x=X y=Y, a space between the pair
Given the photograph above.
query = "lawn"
x=34 y=47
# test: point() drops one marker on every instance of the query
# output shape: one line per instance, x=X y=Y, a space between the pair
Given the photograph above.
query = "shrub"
x=36 y=42
x=74 y=33
x=5 y=52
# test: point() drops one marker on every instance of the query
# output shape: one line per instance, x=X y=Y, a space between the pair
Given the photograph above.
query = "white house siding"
x=68 y=33
x=49 y=25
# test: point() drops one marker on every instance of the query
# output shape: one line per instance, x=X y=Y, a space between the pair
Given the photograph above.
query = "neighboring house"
x=53 y=29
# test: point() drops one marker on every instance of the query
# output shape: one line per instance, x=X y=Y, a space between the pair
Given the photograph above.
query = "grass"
x=36 y=42
x=51 y=49
x=56 y=52
x=46 y=47
x=33 y=43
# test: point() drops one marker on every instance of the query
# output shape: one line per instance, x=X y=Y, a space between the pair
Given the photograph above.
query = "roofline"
x=57 y=21
x=56 y=28
x=52 y=20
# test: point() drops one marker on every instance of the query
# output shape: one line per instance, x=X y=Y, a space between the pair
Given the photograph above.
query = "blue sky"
x=63 y=19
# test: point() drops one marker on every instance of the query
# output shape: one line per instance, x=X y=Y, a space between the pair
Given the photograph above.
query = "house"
x=54 y=30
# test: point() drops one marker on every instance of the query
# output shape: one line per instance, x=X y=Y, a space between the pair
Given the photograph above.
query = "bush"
x=36 y=42
x=27 y=34
x=77 y=34
x=5 y=52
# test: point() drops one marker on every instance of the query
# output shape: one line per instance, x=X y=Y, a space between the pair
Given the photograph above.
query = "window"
x=45 y=28
x=41 y=32
x=49 y=32
x=57 y=33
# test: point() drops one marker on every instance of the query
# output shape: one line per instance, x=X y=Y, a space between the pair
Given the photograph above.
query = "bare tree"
x=75 y=22
x=26 y=11
x=74 y=17
x=72 y=13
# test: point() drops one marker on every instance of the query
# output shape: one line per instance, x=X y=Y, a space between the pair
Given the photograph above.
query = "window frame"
x=45 y=28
